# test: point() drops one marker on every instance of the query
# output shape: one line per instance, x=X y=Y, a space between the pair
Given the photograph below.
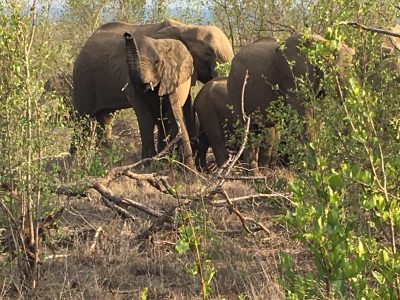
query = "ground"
x=96 y=254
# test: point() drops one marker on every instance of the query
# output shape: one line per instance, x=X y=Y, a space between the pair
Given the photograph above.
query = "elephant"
x=272 y=72
x=160 y=73
x=216 y=120
x=99 y=74
x=212 y=112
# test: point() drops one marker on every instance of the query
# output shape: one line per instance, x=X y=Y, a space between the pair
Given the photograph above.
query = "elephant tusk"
x=125 y=86
x=151 y=86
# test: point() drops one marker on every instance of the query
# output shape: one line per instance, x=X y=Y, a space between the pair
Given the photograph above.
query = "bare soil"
x=97 y=254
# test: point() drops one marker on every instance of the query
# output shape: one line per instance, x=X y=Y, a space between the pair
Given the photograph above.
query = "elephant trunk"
x=132 y=59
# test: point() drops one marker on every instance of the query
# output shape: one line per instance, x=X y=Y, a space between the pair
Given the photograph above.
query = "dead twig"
x=278 y=27
x=246 y=119
x=96 y=235
x=244 y=198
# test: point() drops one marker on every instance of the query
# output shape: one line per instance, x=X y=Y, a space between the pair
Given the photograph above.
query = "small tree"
x=25 y=188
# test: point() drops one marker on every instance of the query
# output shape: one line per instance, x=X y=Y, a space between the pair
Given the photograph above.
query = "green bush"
x=345 y=207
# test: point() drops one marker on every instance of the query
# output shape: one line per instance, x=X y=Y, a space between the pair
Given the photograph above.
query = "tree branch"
x=370 y=29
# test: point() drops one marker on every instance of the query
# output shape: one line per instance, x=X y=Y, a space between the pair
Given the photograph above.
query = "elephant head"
x=157 y=64
x=208 y=46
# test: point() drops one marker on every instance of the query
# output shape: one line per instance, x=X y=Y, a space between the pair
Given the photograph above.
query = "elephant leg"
x=146 y=118
x=146 y=126
x=251 y=159
x=214 y=133
x=104 y=130
x=190 y=122
x=176 y=100
x=201 y=153
x=268 y=151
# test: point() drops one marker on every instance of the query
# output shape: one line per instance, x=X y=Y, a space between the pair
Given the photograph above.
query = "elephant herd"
x=152 y=68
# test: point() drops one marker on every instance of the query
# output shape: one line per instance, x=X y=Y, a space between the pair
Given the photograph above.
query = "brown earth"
x=116 y=265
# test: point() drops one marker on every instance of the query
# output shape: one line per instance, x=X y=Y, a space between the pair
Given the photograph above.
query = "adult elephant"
x=272 y=71
x=98 y=75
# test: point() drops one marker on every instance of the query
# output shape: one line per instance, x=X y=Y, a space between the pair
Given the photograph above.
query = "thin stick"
x=246 y=119
x=96 y=235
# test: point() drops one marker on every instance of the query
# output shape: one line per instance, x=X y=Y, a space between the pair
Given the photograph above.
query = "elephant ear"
x=177 y=65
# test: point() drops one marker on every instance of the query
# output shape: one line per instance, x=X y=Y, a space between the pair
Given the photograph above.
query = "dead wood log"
x=118 y=209
x=124 y=202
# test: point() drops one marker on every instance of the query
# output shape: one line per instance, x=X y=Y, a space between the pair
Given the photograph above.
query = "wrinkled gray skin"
x=158 y=69
x=267 y=66
x=100 y=74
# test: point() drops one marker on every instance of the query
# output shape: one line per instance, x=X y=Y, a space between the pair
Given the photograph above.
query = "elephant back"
x=259 y=61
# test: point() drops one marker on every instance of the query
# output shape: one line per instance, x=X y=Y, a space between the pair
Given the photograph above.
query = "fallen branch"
x=121 y=201
x=243 y=218
x=241 y=177
x=158 y=224
x=244 y=198
x=118 y=209
x=157 y=181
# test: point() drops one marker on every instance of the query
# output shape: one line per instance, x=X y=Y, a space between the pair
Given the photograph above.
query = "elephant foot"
x=73 y=149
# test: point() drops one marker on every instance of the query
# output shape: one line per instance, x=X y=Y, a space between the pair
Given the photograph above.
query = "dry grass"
x=115 y=265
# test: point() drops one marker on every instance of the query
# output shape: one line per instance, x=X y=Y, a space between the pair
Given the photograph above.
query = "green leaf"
x=361 y=249
x=143 y=293
x=336 y=181
x=186 y=232
x=379 y=202
x=383 y=256
x=182 y=247
x=379 y=277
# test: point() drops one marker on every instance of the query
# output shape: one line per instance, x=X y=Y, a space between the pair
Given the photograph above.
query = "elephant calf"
x=212 y=111
x=216 y=119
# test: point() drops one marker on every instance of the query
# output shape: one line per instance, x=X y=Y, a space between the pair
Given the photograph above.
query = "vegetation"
x=326 y=227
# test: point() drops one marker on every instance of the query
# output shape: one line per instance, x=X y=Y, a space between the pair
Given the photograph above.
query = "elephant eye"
x=157 y=62
x=209 y=52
